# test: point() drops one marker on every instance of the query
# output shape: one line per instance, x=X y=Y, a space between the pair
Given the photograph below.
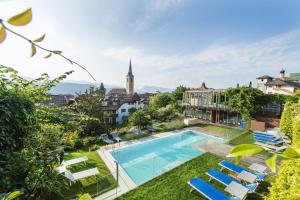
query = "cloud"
x=156 y=9
x=222 y=65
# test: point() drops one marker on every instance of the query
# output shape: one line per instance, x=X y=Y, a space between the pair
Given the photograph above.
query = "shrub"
x=296 y=132
x=70 y=138
x=286 y=186
x=286 y=123
x=291 y=110
x=94 y=147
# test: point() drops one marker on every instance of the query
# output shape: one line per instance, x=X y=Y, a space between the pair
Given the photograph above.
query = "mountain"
x=75 y=87
x=153 y=89
x=72 y=88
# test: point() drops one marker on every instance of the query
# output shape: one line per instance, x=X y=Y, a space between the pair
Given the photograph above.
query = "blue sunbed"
x=267 y=135
x=207 y=190
x=226 y=180
x=268 y=140
x=235 y=168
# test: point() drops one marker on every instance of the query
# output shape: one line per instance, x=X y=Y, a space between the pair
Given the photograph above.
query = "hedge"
x=291 y=110
x=287 y=183
x=286 y=122
x=296 y=132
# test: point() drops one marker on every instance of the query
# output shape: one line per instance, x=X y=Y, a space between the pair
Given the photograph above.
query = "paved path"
x=224 y=149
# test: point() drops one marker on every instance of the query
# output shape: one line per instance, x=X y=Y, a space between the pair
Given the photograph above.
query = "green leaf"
x=33 y=50
x=291 y=153
x=2 y=33
x=57 y=52
x=271 y=162
x=21 y=19
x=14 y=195
x=244 y=150
x=47 y=56
x=39 y=39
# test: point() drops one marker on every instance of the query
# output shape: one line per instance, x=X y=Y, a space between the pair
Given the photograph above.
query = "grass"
x=94 y=185
x=173 y=184
x=229 y=133
x=245 y=138
x=160 y=127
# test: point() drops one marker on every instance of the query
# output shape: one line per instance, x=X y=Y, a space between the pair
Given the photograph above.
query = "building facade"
x=281 y=85
x=208 y=104
x=130 y=80
x=118 y=101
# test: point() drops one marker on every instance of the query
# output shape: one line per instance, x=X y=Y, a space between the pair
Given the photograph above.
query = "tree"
x=245 y=100
x=161 y=100
x=101 y=91
x=178 y=92
x=31 y=145
x=139 y=119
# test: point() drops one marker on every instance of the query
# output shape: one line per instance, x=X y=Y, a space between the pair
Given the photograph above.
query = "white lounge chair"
x=74 y=161
x=271 y=147
x=106 y=139
x=82 y=174
x=63 y=168
x=116 y=137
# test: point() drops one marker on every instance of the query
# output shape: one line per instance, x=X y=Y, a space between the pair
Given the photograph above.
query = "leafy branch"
x=24 y=18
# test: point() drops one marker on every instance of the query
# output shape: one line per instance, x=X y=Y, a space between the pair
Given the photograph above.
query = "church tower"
x=130 y=80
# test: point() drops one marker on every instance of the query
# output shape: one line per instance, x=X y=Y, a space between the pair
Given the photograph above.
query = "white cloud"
x=222 y=65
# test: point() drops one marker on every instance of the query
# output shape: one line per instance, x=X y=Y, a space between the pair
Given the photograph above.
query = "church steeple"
x=130 y=80
x=130 y=69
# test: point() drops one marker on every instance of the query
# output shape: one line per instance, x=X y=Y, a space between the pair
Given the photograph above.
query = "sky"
x=170 y=42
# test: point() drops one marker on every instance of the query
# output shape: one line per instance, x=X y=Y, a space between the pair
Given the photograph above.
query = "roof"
x=130 y=69
x=264 y=77
x=202 y=87
x=117 y=91
x=281 y=82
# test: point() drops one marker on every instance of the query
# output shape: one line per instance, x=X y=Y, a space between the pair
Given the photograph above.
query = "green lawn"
x=245 y=138
x=94 y=185
x=173 y=184
x=229 y=133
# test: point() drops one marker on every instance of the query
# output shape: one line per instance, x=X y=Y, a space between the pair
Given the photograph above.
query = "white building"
x=118 y=101
x=282 y=85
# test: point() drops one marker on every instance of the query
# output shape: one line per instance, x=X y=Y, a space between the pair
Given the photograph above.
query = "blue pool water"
x=147 y=160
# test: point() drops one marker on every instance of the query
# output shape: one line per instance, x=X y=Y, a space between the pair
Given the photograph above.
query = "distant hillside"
x=72 y=88
x=153 y=89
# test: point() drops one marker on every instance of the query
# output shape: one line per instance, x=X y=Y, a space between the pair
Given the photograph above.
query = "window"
x=123 y=110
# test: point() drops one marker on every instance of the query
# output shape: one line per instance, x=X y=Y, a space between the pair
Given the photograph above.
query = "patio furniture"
x=237 y=190
x=233 y=167
x=272 y=147
x=82 y=174
x=226 y=180
x=257 y=167
x=105 y=139
x=207 y=190
x=74 y=161
x=116 y=137
x=268 y=140
x=247 y=176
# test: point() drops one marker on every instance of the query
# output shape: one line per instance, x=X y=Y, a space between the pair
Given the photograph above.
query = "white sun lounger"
x=106 y=139
x=271 y=147
x=82 y=174
x=116 y=137
x=63 y=168
x=74 y=161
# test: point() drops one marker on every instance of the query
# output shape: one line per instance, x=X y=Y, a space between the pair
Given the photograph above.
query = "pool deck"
x=126 y=183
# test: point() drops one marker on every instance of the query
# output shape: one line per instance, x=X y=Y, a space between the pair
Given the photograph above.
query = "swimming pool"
x=147 y=160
